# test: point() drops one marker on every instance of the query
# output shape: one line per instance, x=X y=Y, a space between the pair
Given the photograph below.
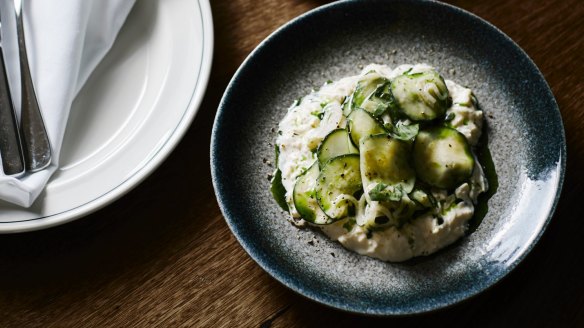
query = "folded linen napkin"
x=65 y=42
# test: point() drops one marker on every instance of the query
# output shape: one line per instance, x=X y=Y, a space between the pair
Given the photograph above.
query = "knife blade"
x=10 y=146
x=35 y=141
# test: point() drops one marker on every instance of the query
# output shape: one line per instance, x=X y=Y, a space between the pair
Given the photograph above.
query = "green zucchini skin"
x=421 y=96
x=442 y=157
x=386 y=160
x=304 y=196
x=372 y=94
x=362 y=124
x=335 y=143
x=339 y=176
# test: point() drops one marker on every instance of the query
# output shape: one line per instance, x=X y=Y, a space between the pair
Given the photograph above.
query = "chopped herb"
x=449 y=117
x=382 y=192
x=403 y=131
x=297 y=102
x=319 y=114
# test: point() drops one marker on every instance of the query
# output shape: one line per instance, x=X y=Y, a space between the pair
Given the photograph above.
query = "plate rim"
x=298 y=288
x=139 y=175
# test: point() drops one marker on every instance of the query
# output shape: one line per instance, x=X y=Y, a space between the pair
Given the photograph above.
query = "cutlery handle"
x=36 y=145
x=10 y=151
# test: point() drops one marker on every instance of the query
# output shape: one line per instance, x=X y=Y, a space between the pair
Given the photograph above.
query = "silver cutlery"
x=35 y=141
x=10 y=148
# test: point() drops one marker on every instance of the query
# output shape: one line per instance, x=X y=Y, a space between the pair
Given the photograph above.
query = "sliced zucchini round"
x=442 y=157
x=339 y=179
x=372 y=94
x=362 y=124
x=367 y=86
x=304 y=197
x=336 y=143
x=386 y=160
x=421 y=96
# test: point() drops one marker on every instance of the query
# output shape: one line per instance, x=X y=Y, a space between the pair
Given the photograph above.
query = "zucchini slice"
x=362 y=124
x=442 y=157
x=304 y=197
x=421 y=96
x=336 y=143
x=339 y=180
x=386 y=160
x=372 y=94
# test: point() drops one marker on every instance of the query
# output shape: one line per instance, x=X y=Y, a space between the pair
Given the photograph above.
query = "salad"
x=383 y=162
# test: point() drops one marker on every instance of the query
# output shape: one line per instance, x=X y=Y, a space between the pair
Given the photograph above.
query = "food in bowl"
x=383 y=162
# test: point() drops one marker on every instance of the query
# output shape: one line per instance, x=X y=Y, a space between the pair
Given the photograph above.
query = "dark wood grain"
x=163 y=255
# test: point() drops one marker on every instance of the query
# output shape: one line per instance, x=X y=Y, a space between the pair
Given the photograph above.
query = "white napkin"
x=66 y=39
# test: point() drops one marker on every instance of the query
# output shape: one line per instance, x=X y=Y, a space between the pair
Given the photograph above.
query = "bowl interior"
x=525 y=134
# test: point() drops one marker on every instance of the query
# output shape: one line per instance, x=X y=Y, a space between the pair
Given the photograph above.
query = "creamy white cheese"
x=302 y=130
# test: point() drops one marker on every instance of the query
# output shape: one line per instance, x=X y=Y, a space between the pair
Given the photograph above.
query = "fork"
x=10 y=147
x=35 y=141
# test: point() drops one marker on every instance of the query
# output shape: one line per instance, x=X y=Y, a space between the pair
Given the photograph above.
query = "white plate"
x=131 y=113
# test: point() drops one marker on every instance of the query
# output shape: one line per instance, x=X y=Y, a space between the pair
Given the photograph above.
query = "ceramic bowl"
x=525 y=137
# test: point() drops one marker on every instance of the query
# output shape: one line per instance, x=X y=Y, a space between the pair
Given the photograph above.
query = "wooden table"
x=163 y=255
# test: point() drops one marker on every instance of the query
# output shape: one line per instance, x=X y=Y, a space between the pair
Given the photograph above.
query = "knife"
x=35 y=141
x=10 y=146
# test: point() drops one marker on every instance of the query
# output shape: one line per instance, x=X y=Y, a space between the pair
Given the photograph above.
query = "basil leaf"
x=405 y=132
x=278 y=190
x=402 y=131
x=383 y=193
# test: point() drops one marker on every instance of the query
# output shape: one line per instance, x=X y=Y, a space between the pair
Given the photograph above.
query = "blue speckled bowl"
x=526 y=138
